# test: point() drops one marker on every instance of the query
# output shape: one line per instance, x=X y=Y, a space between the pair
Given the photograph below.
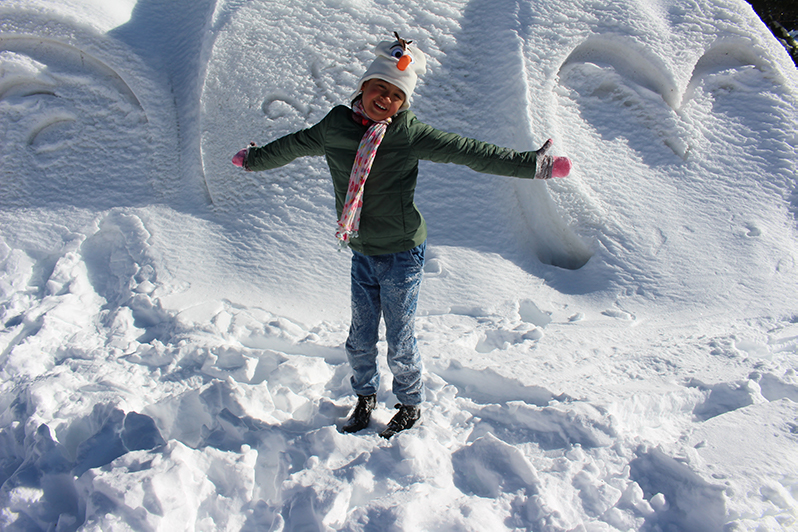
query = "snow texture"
x=616 y=351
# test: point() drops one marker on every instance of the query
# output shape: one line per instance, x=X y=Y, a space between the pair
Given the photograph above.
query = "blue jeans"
x=386 y=285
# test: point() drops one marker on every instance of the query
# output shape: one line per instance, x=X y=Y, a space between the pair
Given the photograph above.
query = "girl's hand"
x=240 y=158
x=561 y=167
x=549 y=166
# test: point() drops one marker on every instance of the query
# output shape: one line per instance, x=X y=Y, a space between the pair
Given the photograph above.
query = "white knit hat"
x=397 y=62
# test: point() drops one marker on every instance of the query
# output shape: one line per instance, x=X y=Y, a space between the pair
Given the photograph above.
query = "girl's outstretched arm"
x=240 y=158
x=439 y=146
x=551 y=166
x=282 y=151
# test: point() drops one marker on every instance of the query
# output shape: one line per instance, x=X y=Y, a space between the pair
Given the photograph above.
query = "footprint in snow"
x=533 y=320
x=504 y=339
x=558 y=425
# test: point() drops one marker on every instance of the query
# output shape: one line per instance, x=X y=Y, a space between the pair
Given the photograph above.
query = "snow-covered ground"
x=613 y=351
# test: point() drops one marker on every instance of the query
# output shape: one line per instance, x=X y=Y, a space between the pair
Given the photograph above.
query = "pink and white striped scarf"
x=349 y=224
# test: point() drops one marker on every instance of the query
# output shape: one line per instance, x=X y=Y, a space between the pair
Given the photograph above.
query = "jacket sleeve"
x=431 y=144
x=282 y=151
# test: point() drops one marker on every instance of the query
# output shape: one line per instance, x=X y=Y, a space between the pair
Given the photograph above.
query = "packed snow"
x=616 y=350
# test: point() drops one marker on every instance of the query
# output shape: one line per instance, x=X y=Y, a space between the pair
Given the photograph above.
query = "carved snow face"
x=69 y=109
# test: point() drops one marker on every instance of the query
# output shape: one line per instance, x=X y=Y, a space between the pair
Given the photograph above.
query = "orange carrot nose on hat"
x=399 y=63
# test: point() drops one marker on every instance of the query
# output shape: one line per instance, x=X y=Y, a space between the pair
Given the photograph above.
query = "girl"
x=372 y=150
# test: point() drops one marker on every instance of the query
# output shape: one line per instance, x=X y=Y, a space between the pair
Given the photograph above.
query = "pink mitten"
x=550 y=166
x=240 y=158
x=543 y=149
x=561 y=167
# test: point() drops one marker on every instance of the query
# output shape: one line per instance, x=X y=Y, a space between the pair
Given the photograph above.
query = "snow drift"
x=616 y=351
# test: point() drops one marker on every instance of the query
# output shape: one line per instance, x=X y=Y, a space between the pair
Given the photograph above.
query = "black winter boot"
x=405 y=418
x=361 y=416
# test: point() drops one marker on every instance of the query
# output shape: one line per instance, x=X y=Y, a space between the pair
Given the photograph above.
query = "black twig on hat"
x=402 y=42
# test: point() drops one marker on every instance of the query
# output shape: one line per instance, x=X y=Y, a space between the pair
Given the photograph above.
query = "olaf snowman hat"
x=397 y=62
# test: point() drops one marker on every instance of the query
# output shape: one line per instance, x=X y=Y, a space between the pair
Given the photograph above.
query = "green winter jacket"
x=389 y=219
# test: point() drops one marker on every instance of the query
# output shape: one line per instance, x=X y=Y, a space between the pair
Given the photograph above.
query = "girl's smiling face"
x=381 y=99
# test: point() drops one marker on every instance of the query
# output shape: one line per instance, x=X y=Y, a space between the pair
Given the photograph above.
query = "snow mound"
x=613 y=351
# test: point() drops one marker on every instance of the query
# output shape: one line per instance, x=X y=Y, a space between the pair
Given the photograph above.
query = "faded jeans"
x=387 y=286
